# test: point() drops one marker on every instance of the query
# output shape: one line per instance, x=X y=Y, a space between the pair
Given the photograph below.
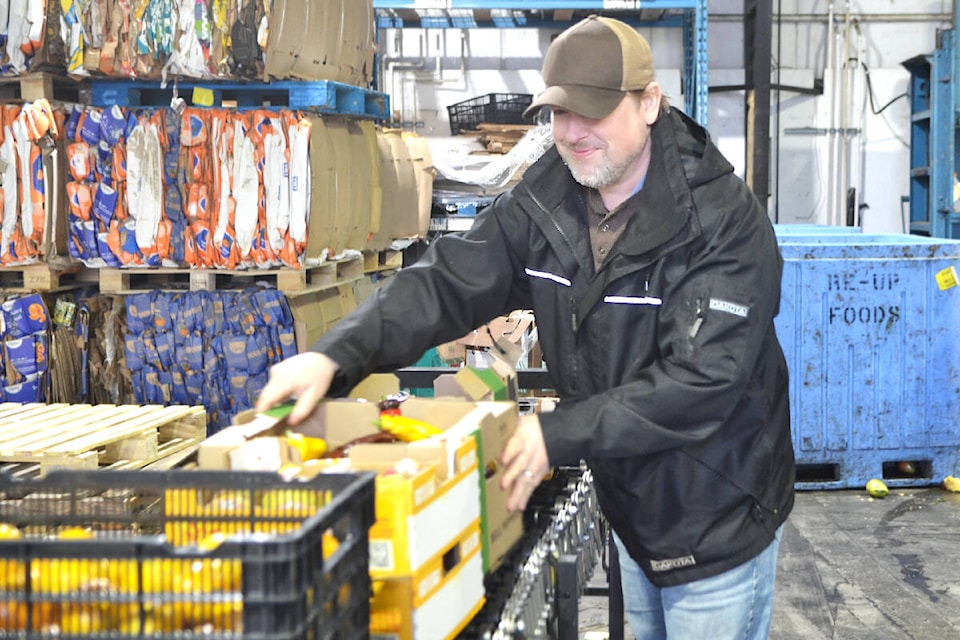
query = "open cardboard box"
x=255 y=442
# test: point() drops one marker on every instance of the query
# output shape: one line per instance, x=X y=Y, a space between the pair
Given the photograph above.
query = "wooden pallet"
x=43 y=277
x=81 y=436
x=288 y=281
x=43 y=84
x=386 y=260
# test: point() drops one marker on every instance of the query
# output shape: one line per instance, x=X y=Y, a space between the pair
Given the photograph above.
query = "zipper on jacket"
x=698 y=319
x=574 y=336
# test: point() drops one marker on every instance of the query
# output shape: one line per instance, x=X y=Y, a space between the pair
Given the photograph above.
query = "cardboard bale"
x=321 y=40
x=323 y=192
x=316 y=312
x=400 y=215
x=369 y=132
x=424 y=172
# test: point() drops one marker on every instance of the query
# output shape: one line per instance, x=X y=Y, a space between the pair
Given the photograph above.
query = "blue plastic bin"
x=811 y=229
x=871 y=341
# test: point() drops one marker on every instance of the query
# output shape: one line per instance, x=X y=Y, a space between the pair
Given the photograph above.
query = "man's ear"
x=651 y=99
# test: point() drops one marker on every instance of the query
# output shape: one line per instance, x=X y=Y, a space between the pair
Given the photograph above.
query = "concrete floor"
x=855 y=568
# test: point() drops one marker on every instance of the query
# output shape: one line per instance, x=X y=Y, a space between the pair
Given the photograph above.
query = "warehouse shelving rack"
x=689 y=15
x=934 y=94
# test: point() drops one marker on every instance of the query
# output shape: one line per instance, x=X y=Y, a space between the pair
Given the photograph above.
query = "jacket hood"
x=702 y=160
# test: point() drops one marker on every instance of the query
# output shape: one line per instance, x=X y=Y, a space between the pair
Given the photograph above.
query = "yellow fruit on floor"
x=877 y=489
x=951 y=484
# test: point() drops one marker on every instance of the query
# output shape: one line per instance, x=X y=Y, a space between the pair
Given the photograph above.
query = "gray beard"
x=605 y=175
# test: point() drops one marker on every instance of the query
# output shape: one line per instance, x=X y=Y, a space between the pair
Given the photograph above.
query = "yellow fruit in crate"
x=80 y=619
x=13 y=616
x=120 y=575
x=13 y=574
x=216 y=617
x=165 y=575
x=330 y=543
x=75 y=533
x=877 y=489
x=9 y=532
x=289 y=503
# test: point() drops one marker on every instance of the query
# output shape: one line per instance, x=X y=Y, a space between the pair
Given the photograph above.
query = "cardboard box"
x=338 y=421
x=419 y=515
x=518 y=329
x=491 y=424
x=497 y=381
x=438 y=602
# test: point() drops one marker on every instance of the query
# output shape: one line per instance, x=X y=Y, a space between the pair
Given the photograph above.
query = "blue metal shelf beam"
x=534 y=5
x=458 y=14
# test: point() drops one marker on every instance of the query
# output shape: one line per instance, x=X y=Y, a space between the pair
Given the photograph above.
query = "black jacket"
x=673 y=386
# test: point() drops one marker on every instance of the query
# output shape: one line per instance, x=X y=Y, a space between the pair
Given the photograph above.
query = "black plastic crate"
x=494 y=108
x=164 y=554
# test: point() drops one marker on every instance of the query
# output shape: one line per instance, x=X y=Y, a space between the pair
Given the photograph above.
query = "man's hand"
x=525 y=462
x=306 y=377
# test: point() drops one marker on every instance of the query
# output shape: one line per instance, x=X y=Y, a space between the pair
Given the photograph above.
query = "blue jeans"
x=735 y=605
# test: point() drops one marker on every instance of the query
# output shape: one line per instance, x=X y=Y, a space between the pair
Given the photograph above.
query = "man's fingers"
x=304 y=406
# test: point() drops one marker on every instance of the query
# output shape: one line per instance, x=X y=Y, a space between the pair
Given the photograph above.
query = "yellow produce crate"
x=160 y=554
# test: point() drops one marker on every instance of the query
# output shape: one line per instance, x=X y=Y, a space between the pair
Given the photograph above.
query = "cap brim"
x=589 y=102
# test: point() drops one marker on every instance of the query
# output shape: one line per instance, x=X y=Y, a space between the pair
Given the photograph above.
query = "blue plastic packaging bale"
x=139 y=312
x=869 y=325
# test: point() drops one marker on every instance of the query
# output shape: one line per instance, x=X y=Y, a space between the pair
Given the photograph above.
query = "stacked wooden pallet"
x=42 y=437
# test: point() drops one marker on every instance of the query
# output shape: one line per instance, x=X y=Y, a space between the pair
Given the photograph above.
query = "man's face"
x=609 y=152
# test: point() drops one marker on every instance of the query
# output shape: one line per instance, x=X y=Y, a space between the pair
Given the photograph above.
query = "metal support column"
x=758 y=34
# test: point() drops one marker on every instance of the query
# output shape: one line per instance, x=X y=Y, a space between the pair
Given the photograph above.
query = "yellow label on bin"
x=947 y=278
x=202 y=97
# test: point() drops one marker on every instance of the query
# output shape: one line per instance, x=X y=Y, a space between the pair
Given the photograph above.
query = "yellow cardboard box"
x=439 y=601
x=490 y=424
x=419 y=514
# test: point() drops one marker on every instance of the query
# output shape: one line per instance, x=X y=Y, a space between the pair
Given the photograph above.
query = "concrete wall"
x=821 y=145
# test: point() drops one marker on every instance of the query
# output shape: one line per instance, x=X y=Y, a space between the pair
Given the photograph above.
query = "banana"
x=309 y=448
x=406 y=428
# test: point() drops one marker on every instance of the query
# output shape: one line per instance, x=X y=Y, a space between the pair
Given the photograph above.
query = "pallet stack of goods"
x=206 y=348
x=249 y=40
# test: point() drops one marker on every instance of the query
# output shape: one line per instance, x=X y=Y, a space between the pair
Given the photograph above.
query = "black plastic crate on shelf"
x=153 y=554
x=493 y=108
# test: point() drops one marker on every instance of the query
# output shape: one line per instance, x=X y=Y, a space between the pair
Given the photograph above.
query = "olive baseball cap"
x=590 y=67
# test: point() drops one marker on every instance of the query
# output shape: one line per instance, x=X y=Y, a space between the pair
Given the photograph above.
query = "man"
x=654 y=274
